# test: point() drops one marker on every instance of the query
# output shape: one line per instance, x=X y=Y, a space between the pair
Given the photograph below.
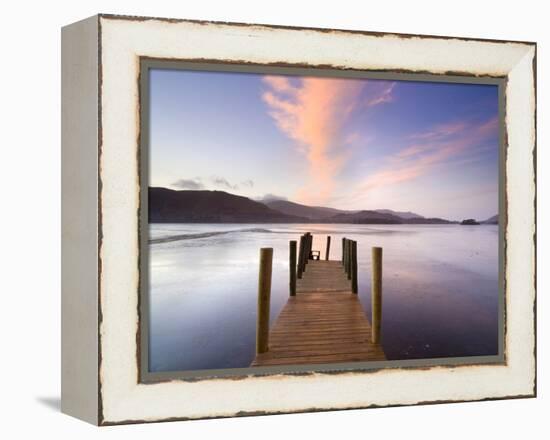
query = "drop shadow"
x=52 y=403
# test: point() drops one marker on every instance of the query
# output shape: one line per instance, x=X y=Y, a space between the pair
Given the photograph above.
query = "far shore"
x=315 y=222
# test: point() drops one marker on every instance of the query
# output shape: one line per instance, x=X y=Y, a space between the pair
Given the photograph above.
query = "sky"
x=427 y=147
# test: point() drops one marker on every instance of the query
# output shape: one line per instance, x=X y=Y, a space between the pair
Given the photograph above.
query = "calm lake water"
x=440 y=288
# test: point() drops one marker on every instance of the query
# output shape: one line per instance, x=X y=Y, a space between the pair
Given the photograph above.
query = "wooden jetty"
x=323 y=320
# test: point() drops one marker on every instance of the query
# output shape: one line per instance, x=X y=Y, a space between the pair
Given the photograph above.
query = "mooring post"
x=292 y=267
x=343 y=251
x=354 y=287
x=350 y=261
x=376 y=293
x=346 y=243
x=309 y=242
x=328 y=248
x=264 y=296
x=346 y=255
x=301 y=256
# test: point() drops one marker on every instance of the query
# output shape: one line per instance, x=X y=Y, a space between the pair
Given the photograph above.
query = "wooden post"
x=264 y=296
x=309 y=241
x=354 y=287
x=301 y=256
x=292 y=267
x=346 y=243
x=327 y=253
x=376 y=293
x=304 y=254
x=343 y=251
x=348 y=258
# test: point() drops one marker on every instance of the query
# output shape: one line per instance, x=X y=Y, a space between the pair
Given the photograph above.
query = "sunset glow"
x=430 y=148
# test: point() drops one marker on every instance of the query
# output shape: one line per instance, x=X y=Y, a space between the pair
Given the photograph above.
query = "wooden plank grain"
x=323 y=323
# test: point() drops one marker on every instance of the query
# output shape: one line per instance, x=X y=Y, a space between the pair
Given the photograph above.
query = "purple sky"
x=431 y=148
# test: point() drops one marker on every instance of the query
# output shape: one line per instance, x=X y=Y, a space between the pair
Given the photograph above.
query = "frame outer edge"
x=108 y=422
x=79 y=214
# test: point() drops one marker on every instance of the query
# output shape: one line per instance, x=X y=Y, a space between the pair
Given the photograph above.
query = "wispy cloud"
x=441 y=131
x=279 y=84
x=222 y=182
x=270 y=198
x=434 y=147
x=314 y=112
x=198 y=183
x=382 y=92
x=191 y=184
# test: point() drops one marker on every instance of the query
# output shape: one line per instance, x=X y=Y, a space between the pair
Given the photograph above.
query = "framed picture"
x=262 y=220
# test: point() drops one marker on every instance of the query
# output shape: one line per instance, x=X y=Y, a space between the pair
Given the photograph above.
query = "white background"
x=30 y=217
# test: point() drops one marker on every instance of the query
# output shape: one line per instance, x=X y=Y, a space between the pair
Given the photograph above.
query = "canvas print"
x=307 y=220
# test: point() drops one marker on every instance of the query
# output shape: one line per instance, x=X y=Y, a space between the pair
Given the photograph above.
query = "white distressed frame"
x=122 y=41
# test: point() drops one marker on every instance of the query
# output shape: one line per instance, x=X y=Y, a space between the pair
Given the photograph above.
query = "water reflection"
x=440 y=293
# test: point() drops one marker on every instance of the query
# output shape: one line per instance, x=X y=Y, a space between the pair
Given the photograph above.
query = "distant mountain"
x=322 y=213
x=401 y=214
x=427 y=221
x=380 y=216
x=310 y=212
x=190 y=206
x=365 y=217
x=169 y=206
x=491 y=220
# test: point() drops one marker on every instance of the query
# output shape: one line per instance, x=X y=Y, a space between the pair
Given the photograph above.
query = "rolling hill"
x=491 y=220
x=406 y=215
x=170 y=206
x=366 y=217
x=190 y=206
x=310 y=212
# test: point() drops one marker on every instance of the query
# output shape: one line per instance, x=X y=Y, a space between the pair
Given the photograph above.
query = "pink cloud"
x=441 y=144
x=441 y=131
x=314 y=112
x=412 y=150
x=381 y=96
x=489 y=128
x=279 y=83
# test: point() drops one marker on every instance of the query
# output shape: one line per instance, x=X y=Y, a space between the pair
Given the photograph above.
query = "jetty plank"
x=324 y=323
